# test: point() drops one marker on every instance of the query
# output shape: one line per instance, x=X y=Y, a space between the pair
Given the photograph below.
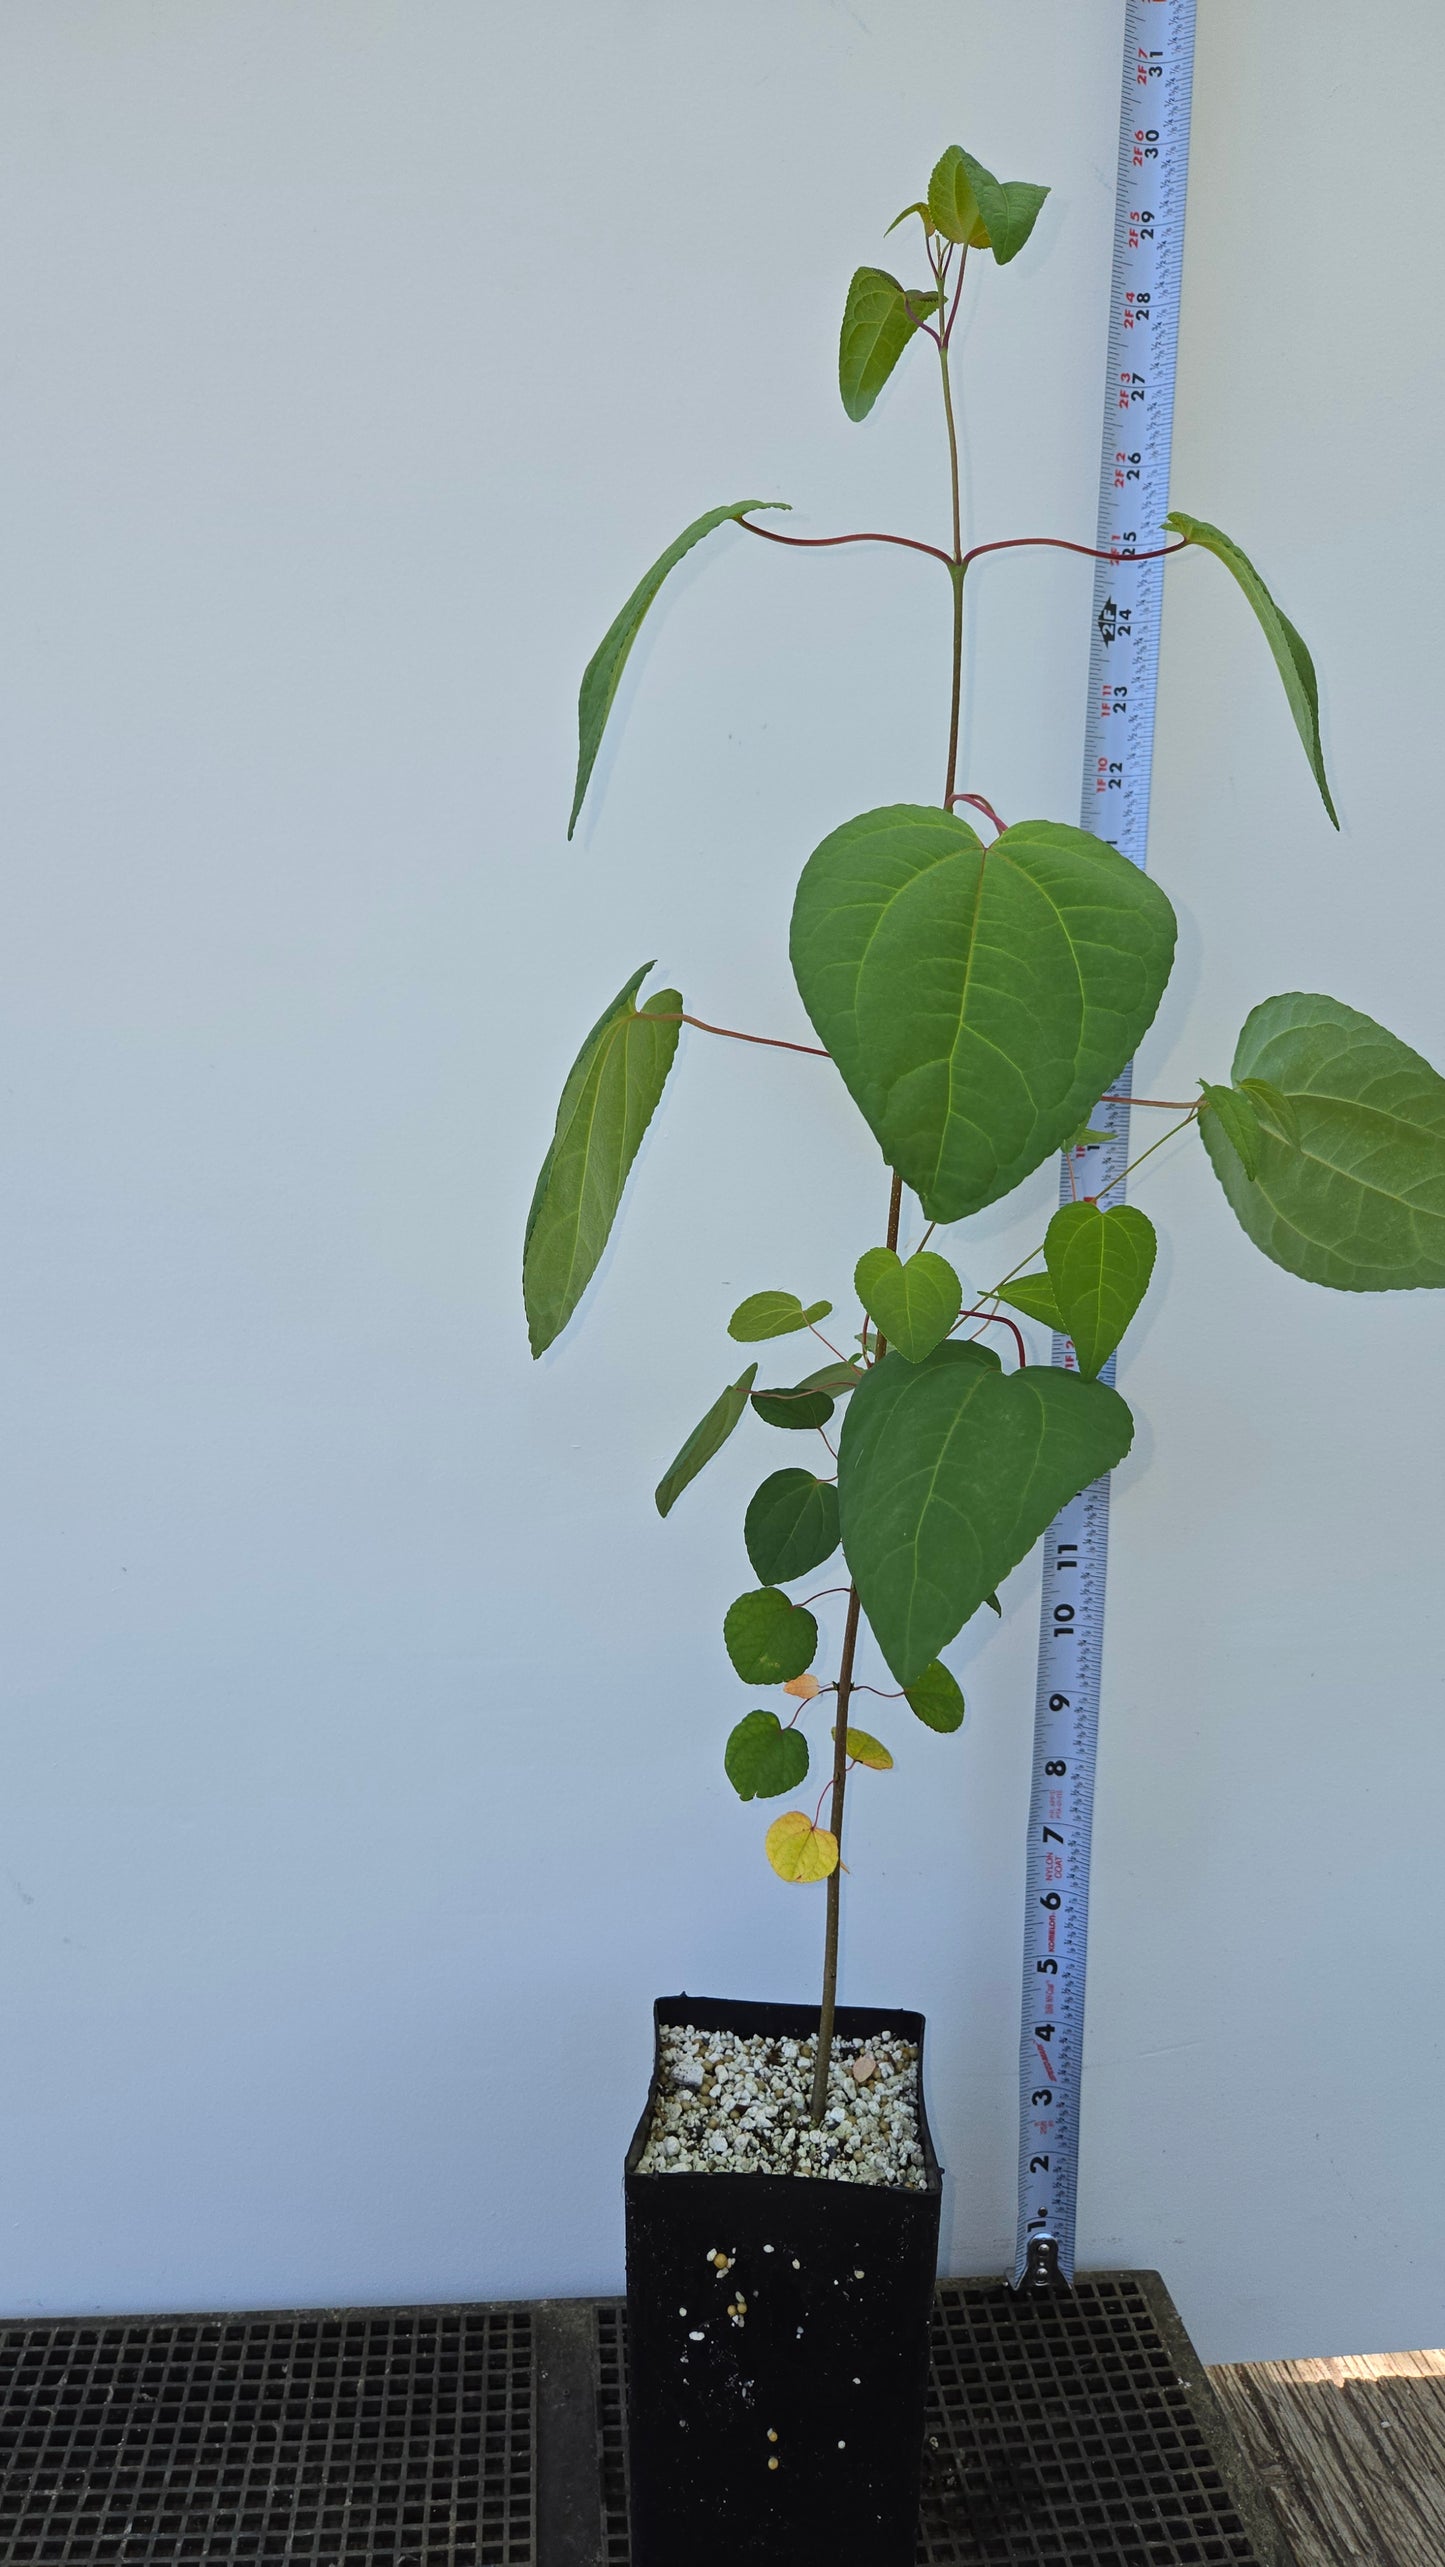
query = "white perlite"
x=738 y=2104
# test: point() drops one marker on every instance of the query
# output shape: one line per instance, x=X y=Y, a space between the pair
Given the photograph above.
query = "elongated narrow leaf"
x=1238 y=1120
x=1291 y=658
x=609 y=1099
x=1035 y=1296
x=913 y=1305
x=948 y=1473
x=1099 y=1265
x=763 y=1759
x=603 y=673
x=878 y=322
x=769 y=1639
x=923 y=213
x=935 y=1697
x=773 y=1314
x=707 y=1437
x=976 y=1002
x=1357 y=1199
x=791 y=1526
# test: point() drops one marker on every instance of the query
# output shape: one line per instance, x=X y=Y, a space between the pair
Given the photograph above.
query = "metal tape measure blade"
x=1118 y=755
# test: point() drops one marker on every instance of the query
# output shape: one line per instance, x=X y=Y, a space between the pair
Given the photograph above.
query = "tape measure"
x=1118 y=754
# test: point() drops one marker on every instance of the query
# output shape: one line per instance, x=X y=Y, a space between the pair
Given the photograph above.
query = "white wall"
x=362 y=1753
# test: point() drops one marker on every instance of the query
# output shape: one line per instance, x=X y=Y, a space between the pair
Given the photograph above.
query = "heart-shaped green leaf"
x=1357 y=1199
x=773 y=1314
x=1099 y=1265
x=1035 y=1296
x=1238 y=1118
x=968 y=203
x=1291 y=658
x=707 y=1437
x=763 y=1759
x=935 y=1697
x=977 y=1003
x=769 y=1638
x=603 y=673
x=609 y=1099
x=791 y=1525
x=913 y=1305
x=948 y=1473
x=879 y=319
x=953 y=207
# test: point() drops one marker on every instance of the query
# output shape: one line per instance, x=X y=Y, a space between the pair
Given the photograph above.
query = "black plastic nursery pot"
x=827 y=2375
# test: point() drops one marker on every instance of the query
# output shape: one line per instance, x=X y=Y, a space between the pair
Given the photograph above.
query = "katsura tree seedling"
x=978 y=997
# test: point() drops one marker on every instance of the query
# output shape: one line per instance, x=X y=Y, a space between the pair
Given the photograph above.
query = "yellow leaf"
x=869 y=1751
x=803 y=1686
x=799 y=1851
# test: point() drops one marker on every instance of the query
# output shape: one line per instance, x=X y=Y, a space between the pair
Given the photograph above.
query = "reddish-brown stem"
x=680 y=1016
x=919 y=322
x=822 y=543
x=996 y=1319
x=979 y=804
x=957 y=294
x=1059 y=544
x=835 y=1821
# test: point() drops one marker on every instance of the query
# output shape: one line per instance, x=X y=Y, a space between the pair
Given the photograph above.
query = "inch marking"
x=1118 y=754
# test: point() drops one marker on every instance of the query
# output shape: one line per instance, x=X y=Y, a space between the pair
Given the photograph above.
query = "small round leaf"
x=800 y=1851
x=769 y=1639
x=800 y=1407
x=935 y=1697
x=791 y=1526
x=869 y=1751
x=763 y=1759
x=773 y=1314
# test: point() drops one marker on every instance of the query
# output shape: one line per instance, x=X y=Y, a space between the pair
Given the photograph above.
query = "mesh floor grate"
x=1060 y=2434
x=404 y=2436
x=612 y=2431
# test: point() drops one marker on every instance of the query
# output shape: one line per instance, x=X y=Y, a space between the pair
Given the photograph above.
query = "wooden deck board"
x=1352 y=2452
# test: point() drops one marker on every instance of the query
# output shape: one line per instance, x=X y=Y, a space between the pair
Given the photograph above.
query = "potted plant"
x=977 y=996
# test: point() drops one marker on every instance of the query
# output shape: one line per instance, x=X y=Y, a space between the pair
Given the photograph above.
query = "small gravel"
x=738 y=2104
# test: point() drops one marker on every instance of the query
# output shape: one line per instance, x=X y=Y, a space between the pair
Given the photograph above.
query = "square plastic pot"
x=826 y=2374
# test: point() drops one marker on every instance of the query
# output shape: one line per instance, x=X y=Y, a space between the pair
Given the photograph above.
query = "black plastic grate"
x=403 y=2436
x=1060 y=2434
x=612 y=2431
x=1059 y=2430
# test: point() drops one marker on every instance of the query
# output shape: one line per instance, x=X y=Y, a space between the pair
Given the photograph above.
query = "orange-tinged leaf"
x=869 y=1751
x=800 y=1851
x=804 y=1686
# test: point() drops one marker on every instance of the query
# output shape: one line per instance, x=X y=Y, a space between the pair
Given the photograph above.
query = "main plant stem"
x=958 y=567
x=829 y=2006
x=957 y=571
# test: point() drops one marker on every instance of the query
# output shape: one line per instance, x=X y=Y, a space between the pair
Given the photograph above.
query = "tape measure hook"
x=1042 y=2271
